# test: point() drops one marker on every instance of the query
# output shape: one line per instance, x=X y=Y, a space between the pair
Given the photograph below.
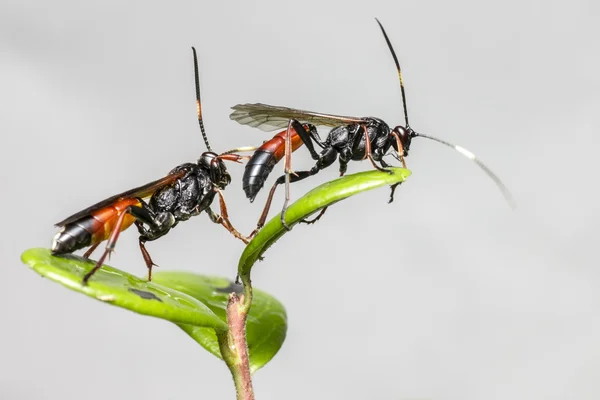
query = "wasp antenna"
x=387 y=40
x=505 y=192
x=239 y=150
x=198 y=104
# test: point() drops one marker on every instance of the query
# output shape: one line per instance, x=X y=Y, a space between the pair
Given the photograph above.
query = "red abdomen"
x=264 y=159
x=93 y=228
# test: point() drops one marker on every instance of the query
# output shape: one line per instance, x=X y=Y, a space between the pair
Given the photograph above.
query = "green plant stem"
x=234 y=348
x=246 y=300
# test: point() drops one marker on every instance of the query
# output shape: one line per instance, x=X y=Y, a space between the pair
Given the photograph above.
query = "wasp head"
x=211 y=162
x=405 y=136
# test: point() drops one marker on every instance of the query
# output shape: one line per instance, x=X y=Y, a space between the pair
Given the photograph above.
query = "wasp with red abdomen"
x=350 y=139
x=188 y=190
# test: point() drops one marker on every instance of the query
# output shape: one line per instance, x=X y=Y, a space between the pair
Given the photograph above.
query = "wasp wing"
x=269 y=118
x=141 y=192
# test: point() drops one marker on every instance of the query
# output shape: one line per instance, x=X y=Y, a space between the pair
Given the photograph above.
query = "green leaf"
x=313 y=201
x=266 y=325
x=122 y=289
x=196 y=303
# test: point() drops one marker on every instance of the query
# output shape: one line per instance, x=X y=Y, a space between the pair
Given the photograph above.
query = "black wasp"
x=350 y=139
x=188 y=190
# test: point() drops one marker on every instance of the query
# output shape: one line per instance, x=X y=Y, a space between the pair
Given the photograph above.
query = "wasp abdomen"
x=264 y=159
x=257 y=171
x=93 y=228
x=72 y=237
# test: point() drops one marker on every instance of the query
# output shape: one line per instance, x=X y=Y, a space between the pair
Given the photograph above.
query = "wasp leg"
x=89 y=251
x=110 y=245
x=287 y=167
x=147 y=258
x=386 y=165
x=146 y=216
x=393 y=189
x=299 y=175
x=324 y=160
x=223 y=219
x=368 y=152
x=159 y=224
x=327 y=157
x=400 y=150
x=343 y=168
x=308 y=137
x=312 y=221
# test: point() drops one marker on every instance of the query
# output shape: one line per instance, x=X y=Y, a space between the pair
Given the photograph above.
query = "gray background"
x=446 y=294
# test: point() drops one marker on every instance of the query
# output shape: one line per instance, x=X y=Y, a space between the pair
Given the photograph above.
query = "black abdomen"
x=257 y=171
x=73 y=236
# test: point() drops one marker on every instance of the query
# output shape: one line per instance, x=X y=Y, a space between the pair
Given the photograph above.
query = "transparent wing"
x=269 y=118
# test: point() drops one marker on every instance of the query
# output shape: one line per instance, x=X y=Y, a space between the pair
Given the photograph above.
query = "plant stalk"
x=234 y=347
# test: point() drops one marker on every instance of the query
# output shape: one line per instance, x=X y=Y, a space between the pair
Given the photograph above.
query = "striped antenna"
x=198 y=104
x=387 y=40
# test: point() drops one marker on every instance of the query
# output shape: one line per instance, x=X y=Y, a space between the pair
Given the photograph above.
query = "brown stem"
x=234 y=348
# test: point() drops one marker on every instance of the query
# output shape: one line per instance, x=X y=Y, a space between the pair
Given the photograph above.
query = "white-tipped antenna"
x=505 y=192
x=240 y=150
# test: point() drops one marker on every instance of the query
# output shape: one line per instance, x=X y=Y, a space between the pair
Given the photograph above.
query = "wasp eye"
x=404 y=137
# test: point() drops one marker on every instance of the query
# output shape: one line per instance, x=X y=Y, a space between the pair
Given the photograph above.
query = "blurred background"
x=444 y=294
